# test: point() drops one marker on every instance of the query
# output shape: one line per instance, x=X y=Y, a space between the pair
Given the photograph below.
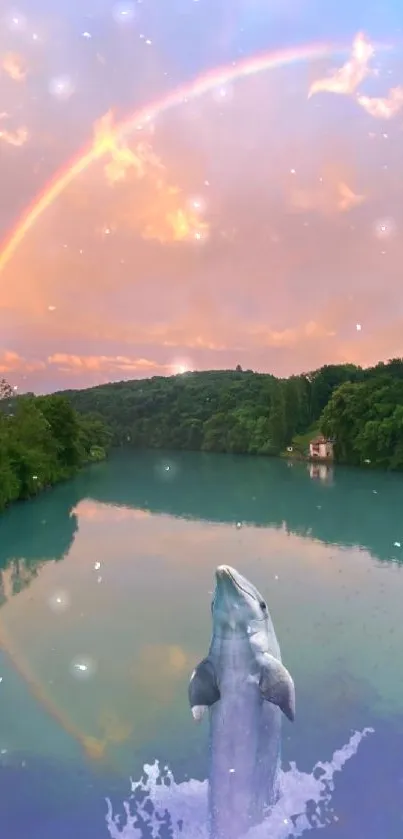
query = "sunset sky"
x=250 y=213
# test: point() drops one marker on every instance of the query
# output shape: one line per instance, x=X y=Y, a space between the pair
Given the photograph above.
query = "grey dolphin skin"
x=246 y=688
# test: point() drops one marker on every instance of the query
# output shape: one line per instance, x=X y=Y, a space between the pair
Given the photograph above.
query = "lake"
x=105 y=596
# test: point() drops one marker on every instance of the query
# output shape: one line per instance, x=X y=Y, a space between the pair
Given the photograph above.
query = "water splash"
x=160 y=807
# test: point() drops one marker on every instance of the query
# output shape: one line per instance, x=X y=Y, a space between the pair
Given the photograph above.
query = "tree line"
x=246 y=412
x=44 y=440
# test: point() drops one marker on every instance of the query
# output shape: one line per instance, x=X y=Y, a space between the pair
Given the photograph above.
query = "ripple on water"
x=157 y=800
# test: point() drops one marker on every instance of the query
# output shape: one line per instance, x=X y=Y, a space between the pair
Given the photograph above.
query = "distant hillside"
x=245 y=412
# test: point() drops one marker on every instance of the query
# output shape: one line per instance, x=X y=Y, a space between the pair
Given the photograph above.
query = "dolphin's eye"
x=262 y=605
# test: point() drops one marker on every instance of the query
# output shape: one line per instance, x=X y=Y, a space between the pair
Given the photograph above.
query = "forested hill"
x=245 y=412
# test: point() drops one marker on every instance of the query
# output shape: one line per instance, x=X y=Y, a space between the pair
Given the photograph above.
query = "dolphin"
x=246 y=688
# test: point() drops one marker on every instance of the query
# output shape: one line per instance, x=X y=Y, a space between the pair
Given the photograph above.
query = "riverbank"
x=44 y=441
x=242 y=412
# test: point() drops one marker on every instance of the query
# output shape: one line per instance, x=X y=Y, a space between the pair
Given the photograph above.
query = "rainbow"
x=93 y=748
x=198 y=87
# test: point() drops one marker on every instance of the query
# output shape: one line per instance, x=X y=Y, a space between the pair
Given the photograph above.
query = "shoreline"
x=47 y=487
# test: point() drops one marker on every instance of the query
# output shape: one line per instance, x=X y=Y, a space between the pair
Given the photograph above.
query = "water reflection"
x=359 y=508
x=95 y=651
x=321 y=472
x=106 y=639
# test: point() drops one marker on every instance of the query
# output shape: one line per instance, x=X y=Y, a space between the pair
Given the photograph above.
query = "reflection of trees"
x=32 y=533
x=219 y=488
x=358 y=508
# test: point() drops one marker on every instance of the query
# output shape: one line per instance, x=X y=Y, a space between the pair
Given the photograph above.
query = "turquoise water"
x=105 y=594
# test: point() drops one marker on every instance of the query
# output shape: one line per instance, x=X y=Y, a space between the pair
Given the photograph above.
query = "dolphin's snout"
x=222 y=572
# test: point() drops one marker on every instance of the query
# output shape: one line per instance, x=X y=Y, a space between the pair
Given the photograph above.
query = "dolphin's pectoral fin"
x=277 y=685
x=203 y=690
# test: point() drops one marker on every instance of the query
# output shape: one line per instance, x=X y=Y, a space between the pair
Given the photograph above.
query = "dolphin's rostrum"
x=245 y=686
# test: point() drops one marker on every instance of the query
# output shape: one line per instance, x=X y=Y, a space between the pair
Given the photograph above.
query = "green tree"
x=65 y=429
x=42 y=441
x=6 y=391
x=240 y=412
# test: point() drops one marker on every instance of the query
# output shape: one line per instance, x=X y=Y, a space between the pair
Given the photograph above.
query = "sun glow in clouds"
x=204 y=84
x=165 y=215
x=13 y=138
x=349 y=77
x=180 y=366
x=385 y=107
x=14 y=66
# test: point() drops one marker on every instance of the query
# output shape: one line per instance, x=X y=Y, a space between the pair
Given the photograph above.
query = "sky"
x=196 y=184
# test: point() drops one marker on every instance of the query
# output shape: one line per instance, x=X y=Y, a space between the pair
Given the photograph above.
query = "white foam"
x=157 y=799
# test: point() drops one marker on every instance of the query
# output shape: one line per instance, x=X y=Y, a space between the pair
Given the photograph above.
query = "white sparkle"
x=61 y=87
x=83 y=667
x=223 y=93
x=166 y=470
x=385 y=228
x=124 y=12
x=197 y=203
x=17 y=22
x=358 y=327
x=59 y=601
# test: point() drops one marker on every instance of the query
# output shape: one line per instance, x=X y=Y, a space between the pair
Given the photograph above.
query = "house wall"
x=324 y=451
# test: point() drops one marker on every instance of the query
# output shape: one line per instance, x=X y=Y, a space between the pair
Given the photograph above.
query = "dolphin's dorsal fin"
x=277 y=685
x=203 y=690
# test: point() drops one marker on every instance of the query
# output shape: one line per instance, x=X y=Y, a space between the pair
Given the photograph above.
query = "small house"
x=321 y=448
